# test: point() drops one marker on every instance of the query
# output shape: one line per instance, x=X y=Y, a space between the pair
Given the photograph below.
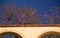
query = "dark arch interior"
x=50 y=35
x=9 y=35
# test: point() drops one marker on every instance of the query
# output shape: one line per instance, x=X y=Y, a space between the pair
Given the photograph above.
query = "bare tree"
x=54 y=18
x=14 y=15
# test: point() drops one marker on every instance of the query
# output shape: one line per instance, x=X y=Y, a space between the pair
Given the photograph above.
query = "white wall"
x=29 y=32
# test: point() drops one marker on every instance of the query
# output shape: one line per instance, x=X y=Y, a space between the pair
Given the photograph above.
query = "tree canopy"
x=14 y=15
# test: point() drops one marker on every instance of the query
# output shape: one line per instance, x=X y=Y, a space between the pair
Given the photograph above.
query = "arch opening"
x=10 y=35
x=50 y=34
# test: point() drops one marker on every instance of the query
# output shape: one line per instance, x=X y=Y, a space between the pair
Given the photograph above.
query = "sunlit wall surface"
x=30 y=32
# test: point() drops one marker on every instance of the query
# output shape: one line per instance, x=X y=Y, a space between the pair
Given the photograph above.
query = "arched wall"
x=49 y=34
x=29 y=32
x=9 y=34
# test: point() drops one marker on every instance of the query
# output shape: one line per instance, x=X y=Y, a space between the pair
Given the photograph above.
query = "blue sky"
x=40 y=5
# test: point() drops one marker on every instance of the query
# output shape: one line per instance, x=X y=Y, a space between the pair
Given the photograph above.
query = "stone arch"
x=16 y=35
x=50 y=34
